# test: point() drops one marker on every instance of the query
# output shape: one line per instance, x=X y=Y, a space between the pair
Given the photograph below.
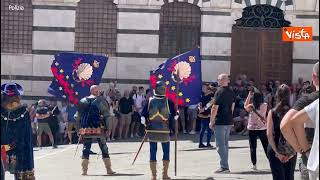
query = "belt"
x=158 y=131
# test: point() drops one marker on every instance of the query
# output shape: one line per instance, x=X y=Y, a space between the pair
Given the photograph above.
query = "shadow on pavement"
x=206 y=149
x=181 y=137
x=120 y=153
x=261 y=172
x=118 y=174
x=199 y=149
x=209 y=178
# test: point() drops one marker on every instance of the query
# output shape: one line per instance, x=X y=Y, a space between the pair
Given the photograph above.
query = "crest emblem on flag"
x=189 y=67
x=74 y=73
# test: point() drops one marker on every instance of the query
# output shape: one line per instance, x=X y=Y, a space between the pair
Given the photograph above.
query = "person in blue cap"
x=16 y=134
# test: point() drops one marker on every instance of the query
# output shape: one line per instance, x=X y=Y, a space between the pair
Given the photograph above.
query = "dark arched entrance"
x=257 y=49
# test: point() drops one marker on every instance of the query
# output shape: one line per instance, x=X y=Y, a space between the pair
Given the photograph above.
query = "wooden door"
x=276 y=57
x=260 y=54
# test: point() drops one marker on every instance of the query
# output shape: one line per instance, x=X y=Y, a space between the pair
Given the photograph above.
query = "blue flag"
x=190 y=86
x=74 y=73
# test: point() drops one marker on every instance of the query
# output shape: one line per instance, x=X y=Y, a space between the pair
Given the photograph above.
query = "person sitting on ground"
x=239 y=122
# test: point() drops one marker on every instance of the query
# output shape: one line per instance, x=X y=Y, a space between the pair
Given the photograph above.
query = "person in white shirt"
x=310 y=114
x=138 y=99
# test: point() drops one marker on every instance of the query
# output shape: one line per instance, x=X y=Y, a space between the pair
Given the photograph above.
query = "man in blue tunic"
x=159 y=117
x=93 y=116
x=16 y=134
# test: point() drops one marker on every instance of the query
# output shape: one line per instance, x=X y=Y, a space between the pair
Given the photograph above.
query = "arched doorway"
x=257 y=49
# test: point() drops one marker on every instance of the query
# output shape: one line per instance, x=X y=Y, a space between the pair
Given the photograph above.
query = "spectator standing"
x=293 y=96
x=286 y=124
x=134 y=91
x=71 y=121
x=221 y=120
x=125 y=107
x=113 y=92
x=257 y=126
x=114 y=119
x=55 y=117
x=182 y=119
x=282 y=157
x=138 y=100
x=204 y=115
x=32 y=114
x=310 y=114
x=192 y=118
x=43 y=118
x=62 y=131
x=267 y=95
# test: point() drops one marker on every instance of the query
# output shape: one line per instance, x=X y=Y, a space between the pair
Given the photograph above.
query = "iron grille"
x=180 y=26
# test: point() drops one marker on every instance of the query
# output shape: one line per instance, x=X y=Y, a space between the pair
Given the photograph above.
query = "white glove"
x=176 y=117
x=143 y=120
x=208 y=106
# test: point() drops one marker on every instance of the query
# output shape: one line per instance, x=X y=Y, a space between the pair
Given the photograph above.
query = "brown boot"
x=165 y=170
x=153 y=167
x=107 y=164
x=84 y=164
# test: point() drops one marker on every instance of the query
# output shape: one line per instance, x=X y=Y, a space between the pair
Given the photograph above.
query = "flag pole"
x=176 y=123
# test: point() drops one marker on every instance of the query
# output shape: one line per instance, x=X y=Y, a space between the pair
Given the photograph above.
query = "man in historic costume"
x=159 y=117
x=92 y=116
x=16 y=134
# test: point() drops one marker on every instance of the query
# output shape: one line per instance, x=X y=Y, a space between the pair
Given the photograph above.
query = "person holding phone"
x=257 y=125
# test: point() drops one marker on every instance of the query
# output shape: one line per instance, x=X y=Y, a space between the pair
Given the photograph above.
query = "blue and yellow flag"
x=74 y=73
x=190 y=87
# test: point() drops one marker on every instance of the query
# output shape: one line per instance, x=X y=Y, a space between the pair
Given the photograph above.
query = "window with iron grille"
x=180 y=26
x=16 y=26
x=96 y=27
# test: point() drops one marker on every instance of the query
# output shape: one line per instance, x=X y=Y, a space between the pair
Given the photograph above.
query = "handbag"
x=285 y=148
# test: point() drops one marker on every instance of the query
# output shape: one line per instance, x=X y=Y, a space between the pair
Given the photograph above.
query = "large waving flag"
x=190 y=86
x=74 y=73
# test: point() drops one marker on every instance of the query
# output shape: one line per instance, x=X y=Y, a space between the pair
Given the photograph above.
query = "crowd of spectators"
x=60 y=127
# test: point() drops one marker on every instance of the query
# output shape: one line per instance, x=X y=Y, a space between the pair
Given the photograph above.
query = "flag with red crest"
x=74 y=73
x=189 y=66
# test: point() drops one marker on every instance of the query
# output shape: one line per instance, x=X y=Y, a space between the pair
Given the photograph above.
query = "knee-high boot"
x=165 y=170
x=84 y=164
x=107 y=164
x=153 y=167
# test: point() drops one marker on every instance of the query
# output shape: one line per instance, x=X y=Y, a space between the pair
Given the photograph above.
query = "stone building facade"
x=136 y=34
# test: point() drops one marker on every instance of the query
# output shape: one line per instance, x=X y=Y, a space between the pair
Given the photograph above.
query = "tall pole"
x=176 y=123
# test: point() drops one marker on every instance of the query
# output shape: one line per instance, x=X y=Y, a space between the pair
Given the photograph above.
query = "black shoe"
x=209 y=145
x=54 y=146
x=91 y=152
x=201 y=145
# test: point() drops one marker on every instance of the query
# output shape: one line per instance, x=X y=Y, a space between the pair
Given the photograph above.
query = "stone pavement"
x=193 y=163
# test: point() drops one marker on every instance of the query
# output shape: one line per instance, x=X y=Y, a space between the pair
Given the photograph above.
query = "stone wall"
x=138 y=41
